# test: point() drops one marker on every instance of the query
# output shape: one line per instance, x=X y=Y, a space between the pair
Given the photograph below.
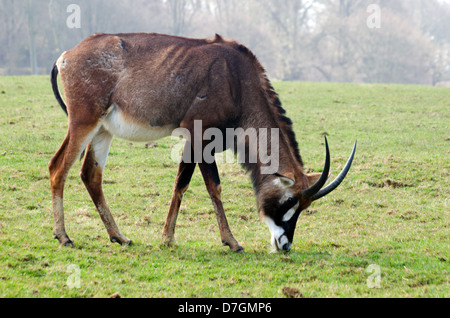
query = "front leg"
x=212 y=182
x=184 y=175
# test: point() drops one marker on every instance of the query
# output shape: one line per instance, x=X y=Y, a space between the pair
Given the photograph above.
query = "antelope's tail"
x=54 y=81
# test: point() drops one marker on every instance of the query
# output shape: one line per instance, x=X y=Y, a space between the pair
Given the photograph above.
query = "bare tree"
x=31 y=38
x=289 y=19
x=348 y=50
x=181 y=13
x=12 y=23
x=314 y=40
x=54 y=25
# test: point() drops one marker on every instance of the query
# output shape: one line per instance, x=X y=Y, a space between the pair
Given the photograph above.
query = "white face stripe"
x=289 y=214
x=274 y=229
x=277 y=234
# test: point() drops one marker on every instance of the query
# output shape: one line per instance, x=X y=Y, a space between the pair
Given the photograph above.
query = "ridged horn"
x=315 y=188
x=333 y=185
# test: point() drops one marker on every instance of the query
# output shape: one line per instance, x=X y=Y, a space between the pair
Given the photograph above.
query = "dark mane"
x=274 y=101
x=286 y=121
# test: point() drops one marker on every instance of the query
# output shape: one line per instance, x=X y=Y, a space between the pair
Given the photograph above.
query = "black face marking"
x=283 y=227
x=284 y=208
x=276 y=210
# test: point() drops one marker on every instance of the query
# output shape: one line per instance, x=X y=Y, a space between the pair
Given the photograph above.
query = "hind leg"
x=91 y=174
x=59 y=166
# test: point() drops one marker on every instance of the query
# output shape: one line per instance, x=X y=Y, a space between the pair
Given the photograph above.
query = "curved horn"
x=333 y=185
x=314 y=189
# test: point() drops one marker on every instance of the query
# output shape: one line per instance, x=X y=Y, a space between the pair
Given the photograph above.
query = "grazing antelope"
x=141 y=87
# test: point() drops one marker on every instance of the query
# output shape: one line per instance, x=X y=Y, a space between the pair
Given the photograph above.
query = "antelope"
x=140 y=87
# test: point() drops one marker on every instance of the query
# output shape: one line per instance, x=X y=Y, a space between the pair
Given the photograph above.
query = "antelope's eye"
x=290 y=201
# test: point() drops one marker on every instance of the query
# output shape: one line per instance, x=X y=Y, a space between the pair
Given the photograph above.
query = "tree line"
x=371 y=41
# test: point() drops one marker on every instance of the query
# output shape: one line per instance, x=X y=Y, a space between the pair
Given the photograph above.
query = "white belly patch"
x=119 y=125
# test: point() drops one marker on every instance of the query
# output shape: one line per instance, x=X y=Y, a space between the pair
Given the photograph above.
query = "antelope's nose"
x=287 y=247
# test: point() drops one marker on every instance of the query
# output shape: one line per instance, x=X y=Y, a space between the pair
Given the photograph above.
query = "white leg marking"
x=101 y=145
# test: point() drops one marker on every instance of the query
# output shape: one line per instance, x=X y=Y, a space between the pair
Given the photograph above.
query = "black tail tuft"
x=54 y=81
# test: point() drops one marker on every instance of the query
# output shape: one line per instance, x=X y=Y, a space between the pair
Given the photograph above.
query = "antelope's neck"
x=266 y=150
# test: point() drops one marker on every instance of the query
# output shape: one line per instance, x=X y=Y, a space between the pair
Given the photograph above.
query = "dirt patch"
x=291 y=292
x=389 y=183
x=409 y=215
x=311 y=212
x=151 y=145
x=82 y=213
x=243 y=218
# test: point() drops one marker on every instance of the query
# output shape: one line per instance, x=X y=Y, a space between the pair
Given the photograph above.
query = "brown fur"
x=160 y=81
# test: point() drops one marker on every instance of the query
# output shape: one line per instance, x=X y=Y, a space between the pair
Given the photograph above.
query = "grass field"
x=383 y=233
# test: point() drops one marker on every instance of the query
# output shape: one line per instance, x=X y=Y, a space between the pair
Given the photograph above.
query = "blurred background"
x=370 y=41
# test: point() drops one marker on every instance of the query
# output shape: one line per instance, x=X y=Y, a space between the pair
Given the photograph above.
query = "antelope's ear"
x=286 y=179
x=313 y=177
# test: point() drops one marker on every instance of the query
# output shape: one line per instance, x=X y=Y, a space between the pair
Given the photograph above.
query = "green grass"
x=391 y=211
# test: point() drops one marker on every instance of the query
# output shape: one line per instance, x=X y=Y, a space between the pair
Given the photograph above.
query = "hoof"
x=236 y=248
x=122 y=241
x=64 y=241
x=168 y=241
x=68 y=244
